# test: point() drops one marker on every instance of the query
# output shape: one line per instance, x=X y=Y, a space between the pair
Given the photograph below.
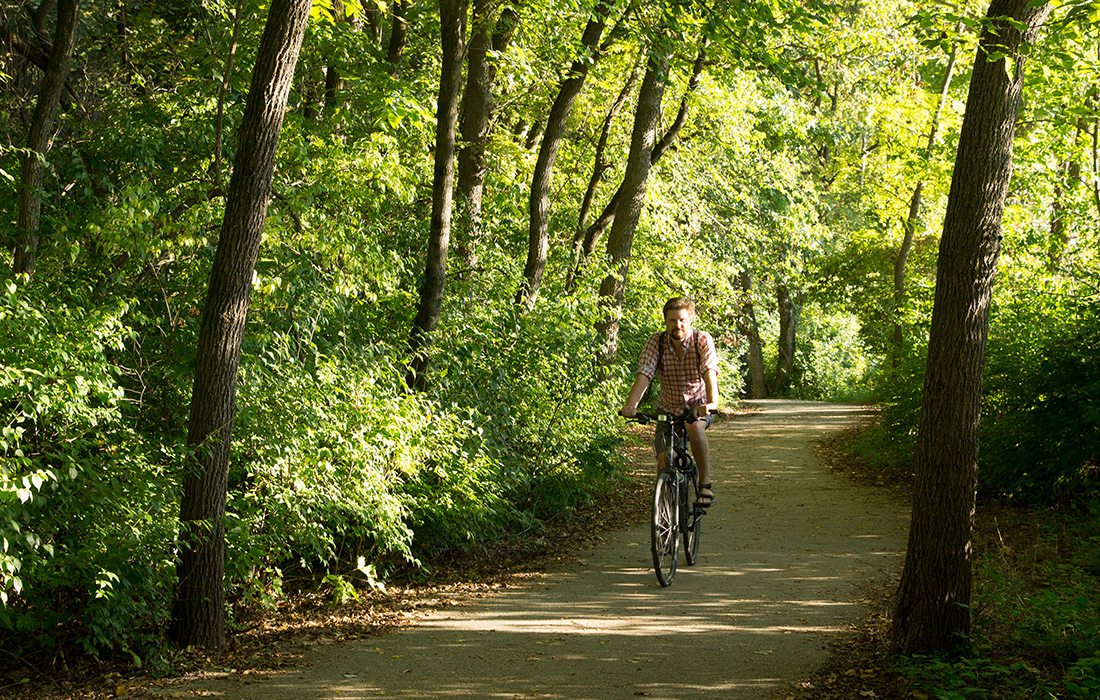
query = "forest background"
x=795 y=183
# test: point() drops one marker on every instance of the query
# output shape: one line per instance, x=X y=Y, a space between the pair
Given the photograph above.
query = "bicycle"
x=673 y=513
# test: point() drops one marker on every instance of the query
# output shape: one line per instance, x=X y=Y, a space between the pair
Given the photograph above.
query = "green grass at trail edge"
x=1036 y=624
x=1036 y=612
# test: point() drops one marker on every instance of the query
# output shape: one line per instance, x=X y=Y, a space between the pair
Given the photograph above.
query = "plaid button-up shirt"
x=681 y=378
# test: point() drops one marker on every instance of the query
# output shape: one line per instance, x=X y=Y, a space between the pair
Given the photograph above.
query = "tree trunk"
x=539 y=203
x=334 y=82
x=912 y=219
x=621 y=239
x=396 y=48
x=38 y=136
x=900 y=262
x=607 y=216
x=1061 y=239
x=122 y=26
x=757 y=388
x=932 y=611
x=788 y=322
x=223 y=90
x=476 y=111
x=198 y=612
x=452 y=19
x=599 y=166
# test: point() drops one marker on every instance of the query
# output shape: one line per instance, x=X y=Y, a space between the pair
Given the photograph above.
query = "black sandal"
x=706 y=495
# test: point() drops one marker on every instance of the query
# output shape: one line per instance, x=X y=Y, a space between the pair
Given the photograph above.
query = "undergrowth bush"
x=87 y=505
x=1040 y=429
x=1041 y=408
x=1036 y=619
x=339 y=476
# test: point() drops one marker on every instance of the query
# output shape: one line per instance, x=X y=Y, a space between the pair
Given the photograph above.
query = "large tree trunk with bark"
x=198 y=612
x=757 y=388
x=452 y=20
x=38 y=136
x=621 y=239
x=932 y=611
x=489 y=37
x=538 y=234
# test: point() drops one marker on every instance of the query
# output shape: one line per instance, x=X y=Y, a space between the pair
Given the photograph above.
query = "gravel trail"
x=787 y=551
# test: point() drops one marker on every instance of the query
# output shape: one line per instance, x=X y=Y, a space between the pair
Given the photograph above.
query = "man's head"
x=679 y=315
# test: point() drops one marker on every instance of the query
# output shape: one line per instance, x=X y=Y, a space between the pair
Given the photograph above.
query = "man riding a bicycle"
x=686 y=362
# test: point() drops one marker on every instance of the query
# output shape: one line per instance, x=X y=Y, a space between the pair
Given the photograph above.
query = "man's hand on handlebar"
x=628 y=411
x=703 y=410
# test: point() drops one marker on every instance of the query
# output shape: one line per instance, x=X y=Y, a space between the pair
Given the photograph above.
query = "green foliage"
x=86 y=510
x=834 y=364
x=804 y=141
x=978 y=677
x=536 y=401
x=1036 y=618
x=1042 y=386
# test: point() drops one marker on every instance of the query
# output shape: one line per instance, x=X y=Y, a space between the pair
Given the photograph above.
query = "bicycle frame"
x=674 y=513
x=681 y=465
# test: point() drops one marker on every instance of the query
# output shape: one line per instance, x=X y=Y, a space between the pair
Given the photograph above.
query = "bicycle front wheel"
x=665 y=528
x=692 y=524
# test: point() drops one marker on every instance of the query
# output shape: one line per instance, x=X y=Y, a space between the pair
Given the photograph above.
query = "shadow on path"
x=786 y=551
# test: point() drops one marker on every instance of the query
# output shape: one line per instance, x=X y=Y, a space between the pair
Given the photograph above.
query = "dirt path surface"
x=786 y=552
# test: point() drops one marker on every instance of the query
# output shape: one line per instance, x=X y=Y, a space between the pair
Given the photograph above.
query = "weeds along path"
x=786 y=553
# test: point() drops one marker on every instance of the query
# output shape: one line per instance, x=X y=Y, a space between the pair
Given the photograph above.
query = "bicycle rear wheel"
x=693 y=522
x=665 y=529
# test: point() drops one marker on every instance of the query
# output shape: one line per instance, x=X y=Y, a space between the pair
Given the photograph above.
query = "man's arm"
x=710 y=382
x=710 y=376
x=630 y=408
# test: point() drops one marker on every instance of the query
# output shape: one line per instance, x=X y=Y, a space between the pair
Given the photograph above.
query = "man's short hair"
x=677 y=303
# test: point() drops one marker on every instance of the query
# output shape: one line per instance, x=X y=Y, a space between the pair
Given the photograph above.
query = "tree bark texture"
x=788 y=325
x=607 y=216
x=38 y=136
x=489 y=37
x=198 y=612
x=452 y=19
x=621 y=239
x=398 y=30
x=932 y=610
x=757 y=388
x=538 y=242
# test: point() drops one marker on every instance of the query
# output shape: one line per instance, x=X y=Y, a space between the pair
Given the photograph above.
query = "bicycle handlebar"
x=686 y=417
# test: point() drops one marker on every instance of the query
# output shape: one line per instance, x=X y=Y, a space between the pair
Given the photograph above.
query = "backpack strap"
x=698 y=356
x=694 y=341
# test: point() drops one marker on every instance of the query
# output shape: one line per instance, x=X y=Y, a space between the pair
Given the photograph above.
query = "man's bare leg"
x=700 y=449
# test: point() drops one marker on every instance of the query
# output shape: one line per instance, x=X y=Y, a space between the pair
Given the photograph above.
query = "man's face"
x=678 y=323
